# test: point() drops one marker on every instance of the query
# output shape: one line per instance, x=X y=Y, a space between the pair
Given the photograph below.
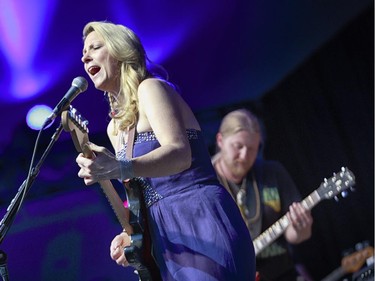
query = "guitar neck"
x=116 y=204
x=275 y=230
x=335 y=275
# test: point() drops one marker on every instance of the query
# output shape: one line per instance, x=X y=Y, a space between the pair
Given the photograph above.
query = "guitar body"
x=132 y=219
x=350 y=264
x=140 y=254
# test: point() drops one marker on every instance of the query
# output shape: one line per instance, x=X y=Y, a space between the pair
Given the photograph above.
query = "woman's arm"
x=160 y=111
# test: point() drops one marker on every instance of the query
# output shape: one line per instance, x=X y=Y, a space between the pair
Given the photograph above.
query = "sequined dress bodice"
x=200 y=171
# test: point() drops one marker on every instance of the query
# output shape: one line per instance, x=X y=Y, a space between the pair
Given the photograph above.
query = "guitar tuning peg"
x=73 y=110
x=325 y=180
x=85 y=125
x=336 y=199
x=344 y=194
x=352 y=188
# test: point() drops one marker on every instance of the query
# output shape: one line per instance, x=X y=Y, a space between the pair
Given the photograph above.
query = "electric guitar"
x=331 y=188
x=138 y=254
x=351 y=264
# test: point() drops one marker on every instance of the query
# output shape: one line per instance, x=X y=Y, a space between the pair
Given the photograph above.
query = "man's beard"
x=237 y=169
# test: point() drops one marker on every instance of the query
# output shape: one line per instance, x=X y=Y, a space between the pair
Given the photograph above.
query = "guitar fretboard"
x=279 y=227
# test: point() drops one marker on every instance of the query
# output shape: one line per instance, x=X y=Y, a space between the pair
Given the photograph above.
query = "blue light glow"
x=37 y=115
x=23 y=25
x=159 y=45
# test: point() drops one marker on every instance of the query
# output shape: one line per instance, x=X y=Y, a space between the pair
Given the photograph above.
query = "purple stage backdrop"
x=64 y=237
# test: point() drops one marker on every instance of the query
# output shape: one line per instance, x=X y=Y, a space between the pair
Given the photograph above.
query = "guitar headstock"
x=355 y=261
x=336 y=185
x=76 y=124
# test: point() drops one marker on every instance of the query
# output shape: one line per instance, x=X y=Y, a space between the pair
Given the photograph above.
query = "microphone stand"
x=17 y=201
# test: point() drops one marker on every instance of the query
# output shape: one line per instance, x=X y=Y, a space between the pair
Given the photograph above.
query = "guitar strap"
x=249 y=201
x=130 y=143
x=253 y=192
x=129 y=150
x=246 y=196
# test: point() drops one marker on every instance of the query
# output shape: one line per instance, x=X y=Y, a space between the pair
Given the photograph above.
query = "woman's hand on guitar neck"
x=117 y=248
x=99 y=165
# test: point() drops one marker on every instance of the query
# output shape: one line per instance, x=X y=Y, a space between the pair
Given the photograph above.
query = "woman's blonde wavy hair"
x=125 y=46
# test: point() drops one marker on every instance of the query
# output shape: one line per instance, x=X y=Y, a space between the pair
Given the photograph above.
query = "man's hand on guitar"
x=117 y=248
x=300 y=224
x=97 y=163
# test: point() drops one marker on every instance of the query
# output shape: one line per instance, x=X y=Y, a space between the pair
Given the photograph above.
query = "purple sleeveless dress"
x=196 y=228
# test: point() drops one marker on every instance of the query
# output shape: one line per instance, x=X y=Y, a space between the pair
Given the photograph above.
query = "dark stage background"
x=317 y=118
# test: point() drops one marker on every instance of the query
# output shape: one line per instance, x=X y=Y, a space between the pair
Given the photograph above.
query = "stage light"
x=37 y=115
x=23 y=27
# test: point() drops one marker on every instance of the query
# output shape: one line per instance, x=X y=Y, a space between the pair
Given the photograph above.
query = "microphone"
x=3 y=266
x=79 y=85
